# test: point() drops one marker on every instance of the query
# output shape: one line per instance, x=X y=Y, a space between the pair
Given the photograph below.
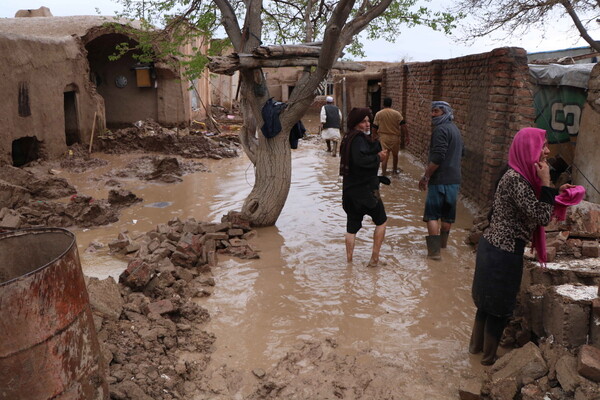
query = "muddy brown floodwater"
x=413 y=312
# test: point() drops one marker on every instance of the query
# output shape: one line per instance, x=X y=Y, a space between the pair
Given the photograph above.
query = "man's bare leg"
x=350 y=240
x=378 y=237
x=433 y=227
x=446 y=226
x=395 y=163
x=384 y=163
x=445 y=233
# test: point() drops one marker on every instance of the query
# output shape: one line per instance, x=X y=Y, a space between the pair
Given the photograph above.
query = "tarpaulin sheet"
x=576 y=75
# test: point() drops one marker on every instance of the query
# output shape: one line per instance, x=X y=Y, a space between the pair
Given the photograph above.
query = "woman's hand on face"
x=564 y=187
x=543 y=172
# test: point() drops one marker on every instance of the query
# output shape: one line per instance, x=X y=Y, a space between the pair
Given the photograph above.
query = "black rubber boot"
x=444 y=235
x=490 y=346
x=328 y=145
x=434 y=244
x=476 y=342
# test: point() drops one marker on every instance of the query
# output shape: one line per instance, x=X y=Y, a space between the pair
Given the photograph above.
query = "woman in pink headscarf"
x=522 y=206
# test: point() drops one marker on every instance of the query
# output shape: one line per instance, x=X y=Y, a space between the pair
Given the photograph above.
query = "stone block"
x=249 y=235
x=163 y=229
x=190 y=226
x=118 y=245
x=502 y=389
x=211 y=258
x=137 y=275
x=566 y=314
x=158 y=307
x=153 y=245
x=223 y=227
x=590 y=248
x=207 y=228
x=531 y=392
x=583 y=218
x=132 y=248
x=183 y=259
x=470 y=389
x=525 y=364
x=105 y=297
x=217 y=236
x=237 y=242
x=566 y=373
x=235 y=232
x=11 y=219
x=588 y=363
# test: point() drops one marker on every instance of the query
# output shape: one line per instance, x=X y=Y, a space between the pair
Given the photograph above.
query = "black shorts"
x=357 y=206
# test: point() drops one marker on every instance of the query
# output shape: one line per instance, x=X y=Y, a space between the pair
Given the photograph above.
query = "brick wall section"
x=491 y=97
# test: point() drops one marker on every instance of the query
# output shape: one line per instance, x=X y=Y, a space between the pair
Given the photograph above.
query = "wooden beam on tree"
x=227 y=65
x=285 y=51
x=224 y=65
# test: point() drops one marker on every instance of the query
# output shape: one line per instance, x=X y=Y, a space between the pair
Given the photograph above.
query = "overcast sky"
x=414 y=44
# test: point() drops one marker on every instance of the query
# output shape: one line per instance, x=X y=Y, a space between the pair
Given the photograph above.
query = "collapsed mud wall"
x=587 y=164
x=491 y=97
x=46 y=95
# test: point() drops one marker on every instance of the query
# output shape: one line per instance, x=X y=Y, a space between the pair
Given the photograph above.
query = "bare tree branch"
x=582 y=30
x=230 y=23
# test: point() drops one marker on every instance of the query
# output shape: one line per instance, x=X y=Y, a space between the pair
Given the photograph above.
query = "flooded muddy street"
x=410 y=316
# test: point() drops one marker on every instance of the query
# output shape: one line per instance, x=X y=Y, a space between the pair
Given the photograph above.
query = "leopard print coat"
x=516 y=211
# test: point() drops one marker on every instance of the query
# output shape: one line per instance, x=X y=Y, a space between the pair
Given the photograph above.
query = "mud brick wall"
x=491 y=97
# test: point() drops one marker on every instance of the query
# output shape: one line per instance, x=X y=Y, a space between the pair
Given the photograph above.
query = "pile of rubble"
x=575 y=237
x=547 y=372
x=148 y=324
x=158 y=168
x=555 y=329
x=150 y=136
x=78 y=160
x=26 y=201
x=80 y=210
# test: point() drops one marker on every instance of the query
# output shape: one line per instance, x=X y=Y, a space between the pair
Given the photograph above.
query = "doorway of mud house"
x=374 y=95
x=25 y=150
x=72 y=135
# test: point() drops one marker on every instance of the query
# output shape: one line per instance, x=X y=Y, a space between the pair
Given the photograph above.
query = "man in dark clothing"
x=331 y=118
x=361 y=155
x=441 y=178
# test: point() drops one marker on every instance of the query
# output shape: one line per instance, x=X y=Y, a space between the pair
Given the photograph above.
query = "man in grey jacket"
x=441 y=178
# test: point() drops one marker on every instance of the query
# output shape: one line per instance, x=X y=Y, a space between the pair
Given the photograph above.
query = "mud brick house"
x=57 y=83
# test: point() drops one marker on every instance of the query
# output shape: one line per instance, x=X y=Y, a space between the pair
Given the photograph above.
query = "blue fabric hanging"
x=270 y=115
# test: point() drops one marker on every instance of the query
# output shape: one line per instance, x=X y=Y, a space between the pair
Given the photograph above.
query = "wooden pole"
x=92 y=135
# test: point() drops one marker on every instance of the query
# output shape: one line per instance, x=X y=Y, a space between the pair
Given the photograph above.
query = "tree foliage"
x=284 y=22
x=335 y=24
x=305 y=21
x=520 y=16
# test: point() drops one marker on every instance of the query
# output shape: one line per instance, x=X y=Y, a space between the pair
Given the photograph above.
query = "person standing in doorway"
x=390 y=125
x=360 y=156
x=441 y=178
x=331 y=119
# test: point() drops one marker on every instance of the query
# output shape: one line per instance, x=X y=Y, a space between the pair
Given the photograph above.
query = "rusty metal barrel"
x=48 y=343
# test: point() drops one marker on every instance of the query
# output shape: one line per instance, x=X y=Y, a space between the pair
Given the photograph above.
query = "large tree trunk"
x=272 y=157
x=273 y=175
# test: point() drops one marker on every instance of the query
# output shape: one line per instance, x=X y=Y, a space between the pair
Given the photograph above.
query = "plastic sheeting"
x=576 y=75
